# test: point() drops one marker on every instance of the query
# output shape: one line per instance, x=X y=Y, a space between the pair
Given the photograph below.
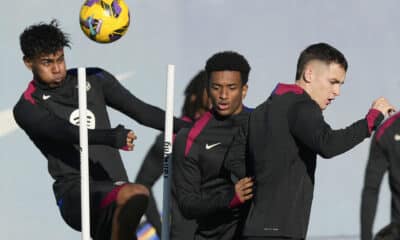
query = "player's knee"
x=141 y=189
x=130 y=190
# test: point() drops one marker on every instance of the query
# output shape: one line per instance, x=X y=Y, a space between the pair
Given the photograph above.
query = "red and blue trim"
x=196 y=130
x=29 y=91
x=283 y=88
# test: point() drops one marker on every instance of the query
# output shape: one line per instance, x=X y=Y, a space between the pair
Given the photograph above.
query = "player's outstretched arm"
x=121 y=99
x=41 y=124
x=307 y=124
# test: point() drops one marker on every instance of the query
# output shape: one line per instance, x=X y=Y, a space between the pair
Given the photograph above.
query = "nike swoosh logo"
x=397 y=137
x=208 y=147
x=45 y=97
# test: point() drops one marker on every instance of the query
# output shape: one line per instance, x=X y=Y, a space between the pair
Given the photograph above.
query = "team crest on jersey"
x=91 y=119
x=88 y=86
x=397 y=137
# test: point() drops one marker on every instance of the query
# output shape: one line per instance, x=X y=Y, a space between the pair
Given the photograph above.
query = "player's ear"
x=27 y=62
x=307 y=74
x=311 y=69
x=244 y=90
x=192 y=98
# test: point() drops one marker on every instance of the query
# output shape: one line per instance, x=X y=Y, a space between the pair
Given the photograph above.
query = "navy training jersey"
x=283 y=138
x=50 y=117
x=202 y=184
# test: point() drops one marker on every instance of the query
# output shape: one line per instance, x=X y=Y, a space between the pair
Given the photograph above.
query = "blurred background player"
x=384 y=156
x=196 y=103
x=48 y=112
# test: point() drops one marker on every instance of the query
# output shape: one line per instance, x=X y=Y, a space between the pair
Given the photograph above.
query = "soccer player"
x=383 y=157
x=196 y=103
x=48 y=113
x=204 y=188
x=284 y=136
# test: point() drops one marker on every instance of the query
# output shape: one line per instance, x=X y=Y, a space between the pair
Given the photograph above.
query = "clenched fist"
x=382 y=105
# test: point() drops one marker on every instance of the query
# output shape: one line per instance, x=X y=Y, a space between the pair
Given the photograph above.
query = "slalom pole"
x=167 y=166
x=83 y=142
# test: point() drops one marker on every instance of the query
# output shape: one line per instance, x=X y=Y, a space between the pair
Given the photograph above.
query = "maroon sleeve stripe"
x=196 y=130
x=28 y=93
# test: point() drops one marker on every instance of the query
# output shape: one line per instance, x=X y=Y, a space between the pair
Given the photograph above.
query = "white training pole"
x=169 y=115
x=83 y=141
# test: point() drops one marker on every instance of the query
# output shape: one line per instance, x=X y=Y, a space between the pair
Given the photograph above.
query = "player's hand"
x=244 y=189
x=383 y=106
x=129 y=141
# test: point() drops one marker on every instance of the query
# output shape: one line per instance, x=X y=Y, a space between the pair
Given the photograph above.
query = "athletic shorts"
x=102 y=206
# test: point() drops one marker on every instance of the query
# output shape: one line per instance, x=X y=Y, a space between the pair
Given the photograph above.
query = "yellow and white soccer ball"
x=104 y=21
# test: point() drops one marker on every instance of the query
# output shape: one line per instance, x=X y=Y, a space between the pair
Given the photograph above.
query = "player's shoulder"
x=244 y=115
x=304 y=105
x=25 y=111
x=20 y=107
x=305 y=102
x=284 y=88
x=182 y=134
x=26 y=100
x=180 y=140
x=94 y=75
x=190 y=137
x=89 y=71
x=247 y=109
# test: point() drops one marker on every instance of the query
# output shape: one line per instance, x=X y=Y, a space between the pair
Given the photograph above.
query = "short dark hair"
x=228 y=60
x=195 y=87
x=43 y=38
x=320 y=51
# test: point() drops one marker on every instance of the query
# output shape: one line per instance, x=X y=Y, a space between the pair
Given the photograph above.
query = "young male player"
x=48 y=113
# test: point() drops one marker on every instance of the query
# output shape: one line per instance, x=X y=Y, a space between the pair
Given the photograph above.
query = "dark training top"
x=203 y=186
x=181 y=227
x=384 y=156
x=284 y=136
x=50 y=117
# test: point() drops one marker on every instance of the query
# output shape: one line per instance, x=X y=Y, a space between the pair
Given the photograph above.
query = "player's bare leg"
x=131 y=203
